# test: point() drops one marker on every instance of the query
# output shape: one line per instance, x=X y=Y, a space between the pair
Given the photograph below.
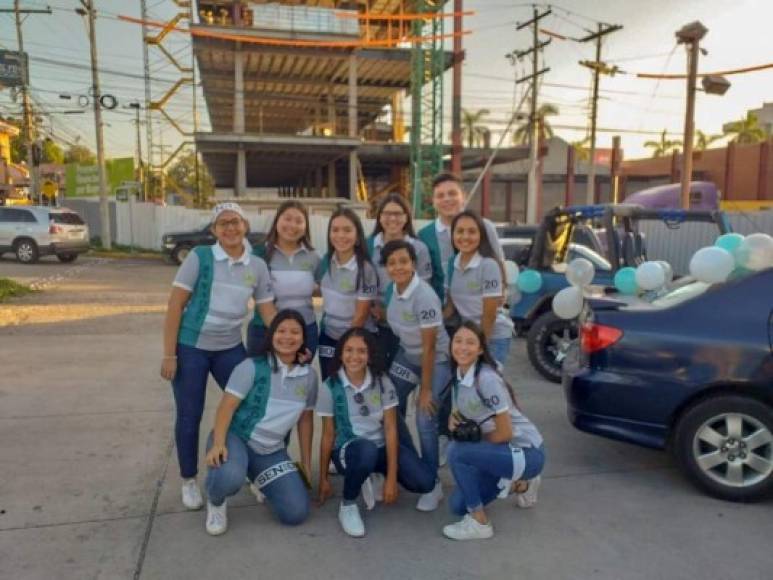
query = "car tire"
x=725 y=447
x=67 y=258
x=180 y=252
x=548 y=343
x=26 y=251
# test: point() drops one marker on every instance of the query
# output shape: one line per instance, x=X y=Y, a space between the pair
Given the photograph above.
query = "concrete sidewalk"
x=89 y=485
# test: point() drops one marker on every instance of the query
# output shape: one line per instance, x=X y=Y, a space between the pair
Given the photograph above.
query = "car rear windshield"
x=68 y=218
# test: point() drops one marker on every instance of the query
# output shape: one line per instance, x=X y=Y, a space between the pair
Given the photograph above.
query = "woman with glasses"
x=203 y=328
x=393 y=222
x=264 y=399
x=293 y=265
x=414 y=313
x=358 y=407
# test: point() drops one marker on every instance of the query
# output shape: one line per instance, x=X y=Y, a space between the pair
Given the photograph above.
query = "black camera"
x=467 y=431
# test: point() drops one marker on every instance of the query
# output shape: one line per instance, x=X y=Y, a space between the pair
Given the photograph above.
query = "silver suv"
x=32 y=231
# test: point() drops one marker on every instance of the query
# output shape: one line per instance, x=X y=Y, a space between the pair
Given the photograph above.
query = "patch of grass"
x=121 y=251
x=9 y=289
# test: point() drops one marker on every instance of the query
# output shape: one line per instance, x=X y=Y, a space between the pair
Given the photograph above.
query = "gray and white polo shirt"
x=340 y=295
x=423 y=262
x=367 y=416
x=447 y=247
x=293 y=391
x=417 y=308
x=233 y=283
x=293 y=278
x=492 y=398
x=480 y=278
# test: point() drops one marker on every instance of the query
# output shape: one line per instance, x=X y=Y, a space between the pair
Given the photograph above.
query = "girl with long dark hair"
x=265 y=398
x=348 y=282
x=358 y=405
x=496 y=449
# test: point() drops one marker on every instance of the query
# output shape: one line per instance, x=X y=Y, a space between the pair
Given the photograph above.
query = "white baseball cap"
x=227 y=206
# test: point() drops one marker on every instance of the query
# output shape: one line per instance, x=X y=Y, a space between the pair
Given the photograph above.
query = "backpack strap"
x=252 y=409
x=390 y=290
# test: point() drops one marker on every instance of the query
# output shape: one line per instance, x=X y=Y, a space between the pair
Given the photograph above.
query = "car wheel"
x=26 y=251
x=548 y=343
x=180 y=252
x=67 y=258
x=725 y=446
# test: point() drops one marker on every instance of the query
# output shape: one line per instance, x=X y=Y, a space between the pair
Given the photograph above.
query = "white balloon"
x=511 y=271
x=668 y=271
x=580 y=272
x=712 y=265
x=756 y=252
x=650 y=276
x=568 y=302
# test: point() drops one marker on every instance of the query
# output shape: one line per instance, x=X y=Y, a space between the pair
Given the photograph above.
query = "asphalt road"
x=89 y=485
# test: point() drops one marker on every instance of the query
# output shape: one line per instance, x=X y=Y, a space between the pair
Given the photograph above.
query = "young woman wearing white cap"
x=203 y=328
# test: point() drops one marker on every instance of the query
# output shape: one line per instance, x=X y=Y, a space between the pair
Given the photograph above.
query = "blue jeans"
x=499 y=349
x=406 y=376
x=274 y=474
x=362 y=457
x=190 y=388
x=478 y=467
x=256 y=337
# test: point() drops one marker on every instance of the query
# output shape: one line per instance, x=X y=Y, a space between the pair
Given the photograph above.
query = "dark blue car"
x=693 y=373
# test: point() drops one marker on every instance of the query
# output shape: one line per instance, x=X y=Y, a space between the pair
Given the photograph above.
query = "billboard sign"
x=83 y=180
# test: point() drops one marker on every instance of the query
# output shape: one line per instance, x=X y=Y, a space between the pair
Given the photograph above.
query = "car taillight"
x=595 y=337
x=55 y=229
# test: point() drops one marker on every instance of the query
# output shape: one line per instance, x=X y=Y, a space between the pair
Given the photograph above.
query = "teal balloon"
x=529 y=281
x=625 y=280
x=729 y=242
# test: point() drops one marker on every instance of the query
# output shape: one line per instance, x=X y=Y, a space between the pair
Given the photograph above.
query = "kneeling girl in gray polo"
x=264 y=399
x=358 y=407
x=415 y=316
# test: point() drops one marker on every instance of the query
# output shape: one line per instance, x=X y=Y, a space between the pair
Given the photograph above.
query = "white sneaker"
x=443 y=442
x=377 y=480
x=528 y=498
x=351 y=522
x=468 y=529
x=217 y=518
x=257 y=493
x=368 y=495
x=331 y=469
x=428 y=502
x=191 y=494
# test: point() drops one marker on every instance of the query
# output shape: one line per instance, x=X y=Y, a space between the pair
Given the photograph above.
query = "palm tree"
x=703 y=140
x=581 y=149
x=664 y=146
x=746 y=130
x=472 y=132
x=522 y=134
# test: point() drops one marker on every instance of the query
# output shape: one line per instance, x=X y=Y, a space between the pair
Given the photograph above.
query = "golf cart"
x=609 y=236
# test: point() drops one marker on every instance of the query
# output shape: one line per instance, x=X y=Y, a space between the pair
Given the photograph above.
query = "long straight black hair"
x=485 y=356
x=360 y=244
x=485 y=249
x=403 y=203
x=272 y=237
x=268 y=344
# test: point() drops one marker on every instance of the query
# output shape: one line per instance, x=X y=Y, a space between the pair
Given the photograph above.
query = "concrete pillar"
x=331 y=111
x=238 y=89
x=353 y=161
x=331 y=179
x=240 y=183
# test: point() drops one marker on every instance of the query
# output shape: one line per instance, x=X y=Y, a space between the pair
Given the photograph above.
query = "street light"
x=690 y=35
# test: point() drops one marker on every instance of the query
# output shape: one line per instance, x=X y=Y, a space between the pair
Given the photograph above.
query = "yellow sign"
x=49 y=188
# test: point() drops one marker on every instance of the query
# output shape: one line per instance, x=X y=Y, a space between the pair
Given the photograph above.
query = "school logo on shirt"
x=375 y=398
x=346 y=285
x=250 y=279
x=473 y=286
x=300 y=391
x=408 y=316
x=474 y=407
x=306 y=265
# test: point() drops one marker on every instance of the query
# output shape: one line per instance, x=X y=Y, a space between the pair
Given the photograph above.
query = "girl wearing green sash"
x=264 y=399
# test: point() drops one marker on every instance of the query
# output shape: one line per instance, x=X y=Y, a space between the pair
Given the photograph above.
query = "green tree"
x=79 y=154
x=582 y=148
x=746 y=131
x=522 y=134
x=181 y=176
x=52 y=153
x=664 y=146
x=703 y=140
x=473 y=133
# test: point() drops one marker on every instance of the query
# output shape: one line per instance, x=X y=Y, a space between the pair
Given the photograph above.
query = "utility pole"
x=104 y=210
x=140 y=173
x=148 y=99
x=598 y=68
x=456 y=105
x=29 y=129
x=531 y=196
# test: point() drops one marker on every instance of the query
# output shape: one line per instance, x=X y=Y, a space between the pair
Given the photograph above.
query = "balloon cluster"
x=732 y=255
x=647 y=276
x=568 y=303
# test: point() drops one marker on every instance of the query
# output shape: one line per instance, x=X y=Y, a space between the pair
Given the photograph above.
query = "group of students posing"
x=400 y=311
